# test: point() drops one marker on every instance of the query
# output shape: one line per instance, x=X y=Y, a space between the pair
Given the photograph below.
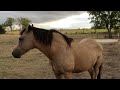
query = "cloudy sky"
x=51 y=19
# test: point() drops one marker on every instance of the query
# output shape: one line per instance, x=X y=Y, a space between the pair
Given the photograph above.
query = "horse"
x=66 y=57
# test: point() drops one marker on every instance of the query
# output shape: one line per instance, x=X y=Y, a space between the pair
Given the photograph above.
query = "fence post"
x=118 y=35
x=97 y=35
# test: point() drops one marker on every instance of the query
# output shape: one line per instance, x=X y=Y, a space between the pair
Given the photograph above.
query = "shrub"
x=2 y=31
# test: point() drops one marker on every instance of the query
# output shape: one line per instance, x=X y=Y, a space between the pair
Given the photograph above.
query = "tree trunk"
x=109 y=33
x=95 y=31
x=11 y=28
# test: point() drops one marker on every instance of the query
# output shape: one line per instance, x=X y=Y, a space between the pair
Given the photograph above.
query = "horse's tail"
x=101 y=47
x=100 y=72
x=100 y=58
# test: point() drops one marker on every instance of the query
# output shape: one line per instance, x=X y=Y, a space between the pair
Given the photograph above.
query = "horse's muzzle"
x=16 y=53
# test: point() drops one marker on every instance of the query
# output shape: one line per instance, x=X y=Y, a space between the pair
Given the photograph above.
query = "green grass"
x=80 y=31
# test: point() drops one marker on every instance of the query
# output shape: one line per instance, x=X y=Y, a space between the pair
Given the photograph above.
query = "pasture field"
x=76 y=33
x=79 y=31
x=35 y=65
x=71 y=31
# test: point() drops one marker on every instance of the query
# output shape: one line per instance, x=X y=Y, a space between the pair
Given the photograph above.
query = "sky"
x=51 y=19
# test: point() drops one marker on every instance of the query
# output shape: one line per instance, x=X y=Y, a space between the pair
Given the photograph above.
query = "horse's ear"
x=29 y=27
x=32 y=25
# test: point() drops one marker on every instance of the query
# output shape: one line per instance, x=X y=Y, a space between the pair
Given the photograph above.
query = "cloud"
x=51 y=19
x=38 y=16
x=74 y=21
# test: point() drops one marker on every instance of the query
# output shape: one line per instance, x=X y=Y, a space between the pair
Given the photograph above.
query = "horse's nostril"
x=16 y=54
x=12 y=54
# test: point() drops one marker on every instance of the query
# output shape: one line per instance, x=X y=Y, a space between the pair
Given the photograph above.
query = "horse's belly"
x=80 y=69
x=84 y=60
x=84 y=63
x=77 y=71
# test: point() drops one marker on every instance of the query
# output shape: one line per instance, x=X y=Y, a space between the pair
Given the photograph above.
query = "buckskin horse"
x=65 y=57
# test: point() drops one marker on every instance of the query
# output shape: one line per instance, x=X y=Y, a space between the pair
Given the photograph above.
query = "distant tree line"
x=105 y=20
x=2 y=30
x=21 y=22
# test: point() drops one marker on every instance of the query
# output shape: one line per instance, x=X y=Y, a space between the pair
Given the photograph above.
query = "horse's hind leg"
x=91 y=72
x=98 y=68
x=100 y=72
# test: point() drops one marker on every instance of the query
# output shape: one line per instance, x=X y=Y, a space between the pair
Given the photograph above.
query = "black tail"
x=100 y=72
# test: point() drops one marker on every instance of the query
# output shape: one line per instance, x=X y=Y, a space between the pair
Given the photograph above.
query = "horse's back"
x=91 y=44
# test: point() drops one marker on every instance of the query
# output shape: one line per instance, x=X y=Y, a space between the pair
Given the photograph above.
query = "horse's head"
x=32 y=37
x=26 y=42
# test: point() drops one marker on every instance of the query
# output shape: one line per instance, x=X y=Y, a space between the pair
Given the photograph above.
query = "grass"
x=80 y=31
x=14 y=32
x=35 y=65
x=74 y=33
x=31 y=65
x=71 y=31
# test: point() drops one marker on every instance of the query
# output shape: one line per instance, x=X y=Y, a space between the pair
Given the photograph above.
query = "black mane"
x=22 y=31
x=67 y=39
x=46 y=36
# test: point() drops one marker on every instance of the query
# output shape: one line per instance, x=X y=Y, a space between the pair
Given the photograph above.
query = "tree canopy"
x=105 y=19
x=24 y=22
x=2 y=30
x=9 y=22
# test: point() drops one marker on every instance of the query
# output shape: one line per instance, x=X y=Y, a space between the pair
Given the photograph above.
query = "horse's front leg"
x=68 y=75
x=58 y=75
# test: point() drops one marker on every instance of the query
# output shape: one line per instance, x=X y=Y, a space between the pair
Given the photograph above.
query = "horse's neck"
x=57 y=46
x=44 y=49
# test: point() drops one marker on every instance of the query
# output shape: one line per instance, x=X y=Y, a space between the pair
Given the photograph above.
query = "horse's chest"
x=57 y=67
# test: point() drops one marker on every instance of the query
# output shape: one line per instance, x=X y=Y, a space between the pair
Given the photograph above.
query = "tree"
x=23 y=22
x=2 y=30
x=9 y=22
x=4 y=26
x=105 y=19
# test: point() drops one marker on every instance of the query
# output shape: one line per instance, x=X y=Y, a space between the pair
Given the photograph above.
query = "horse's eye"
x=20 y=39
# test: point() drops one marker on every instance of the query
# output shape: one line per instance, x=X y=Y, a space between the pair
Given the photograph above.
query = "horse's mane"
x=22 y=31
x=46 y=36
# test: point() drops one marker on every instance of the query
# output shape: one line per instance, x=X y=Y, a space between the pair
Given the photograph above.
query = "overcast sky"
x=51 y=19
